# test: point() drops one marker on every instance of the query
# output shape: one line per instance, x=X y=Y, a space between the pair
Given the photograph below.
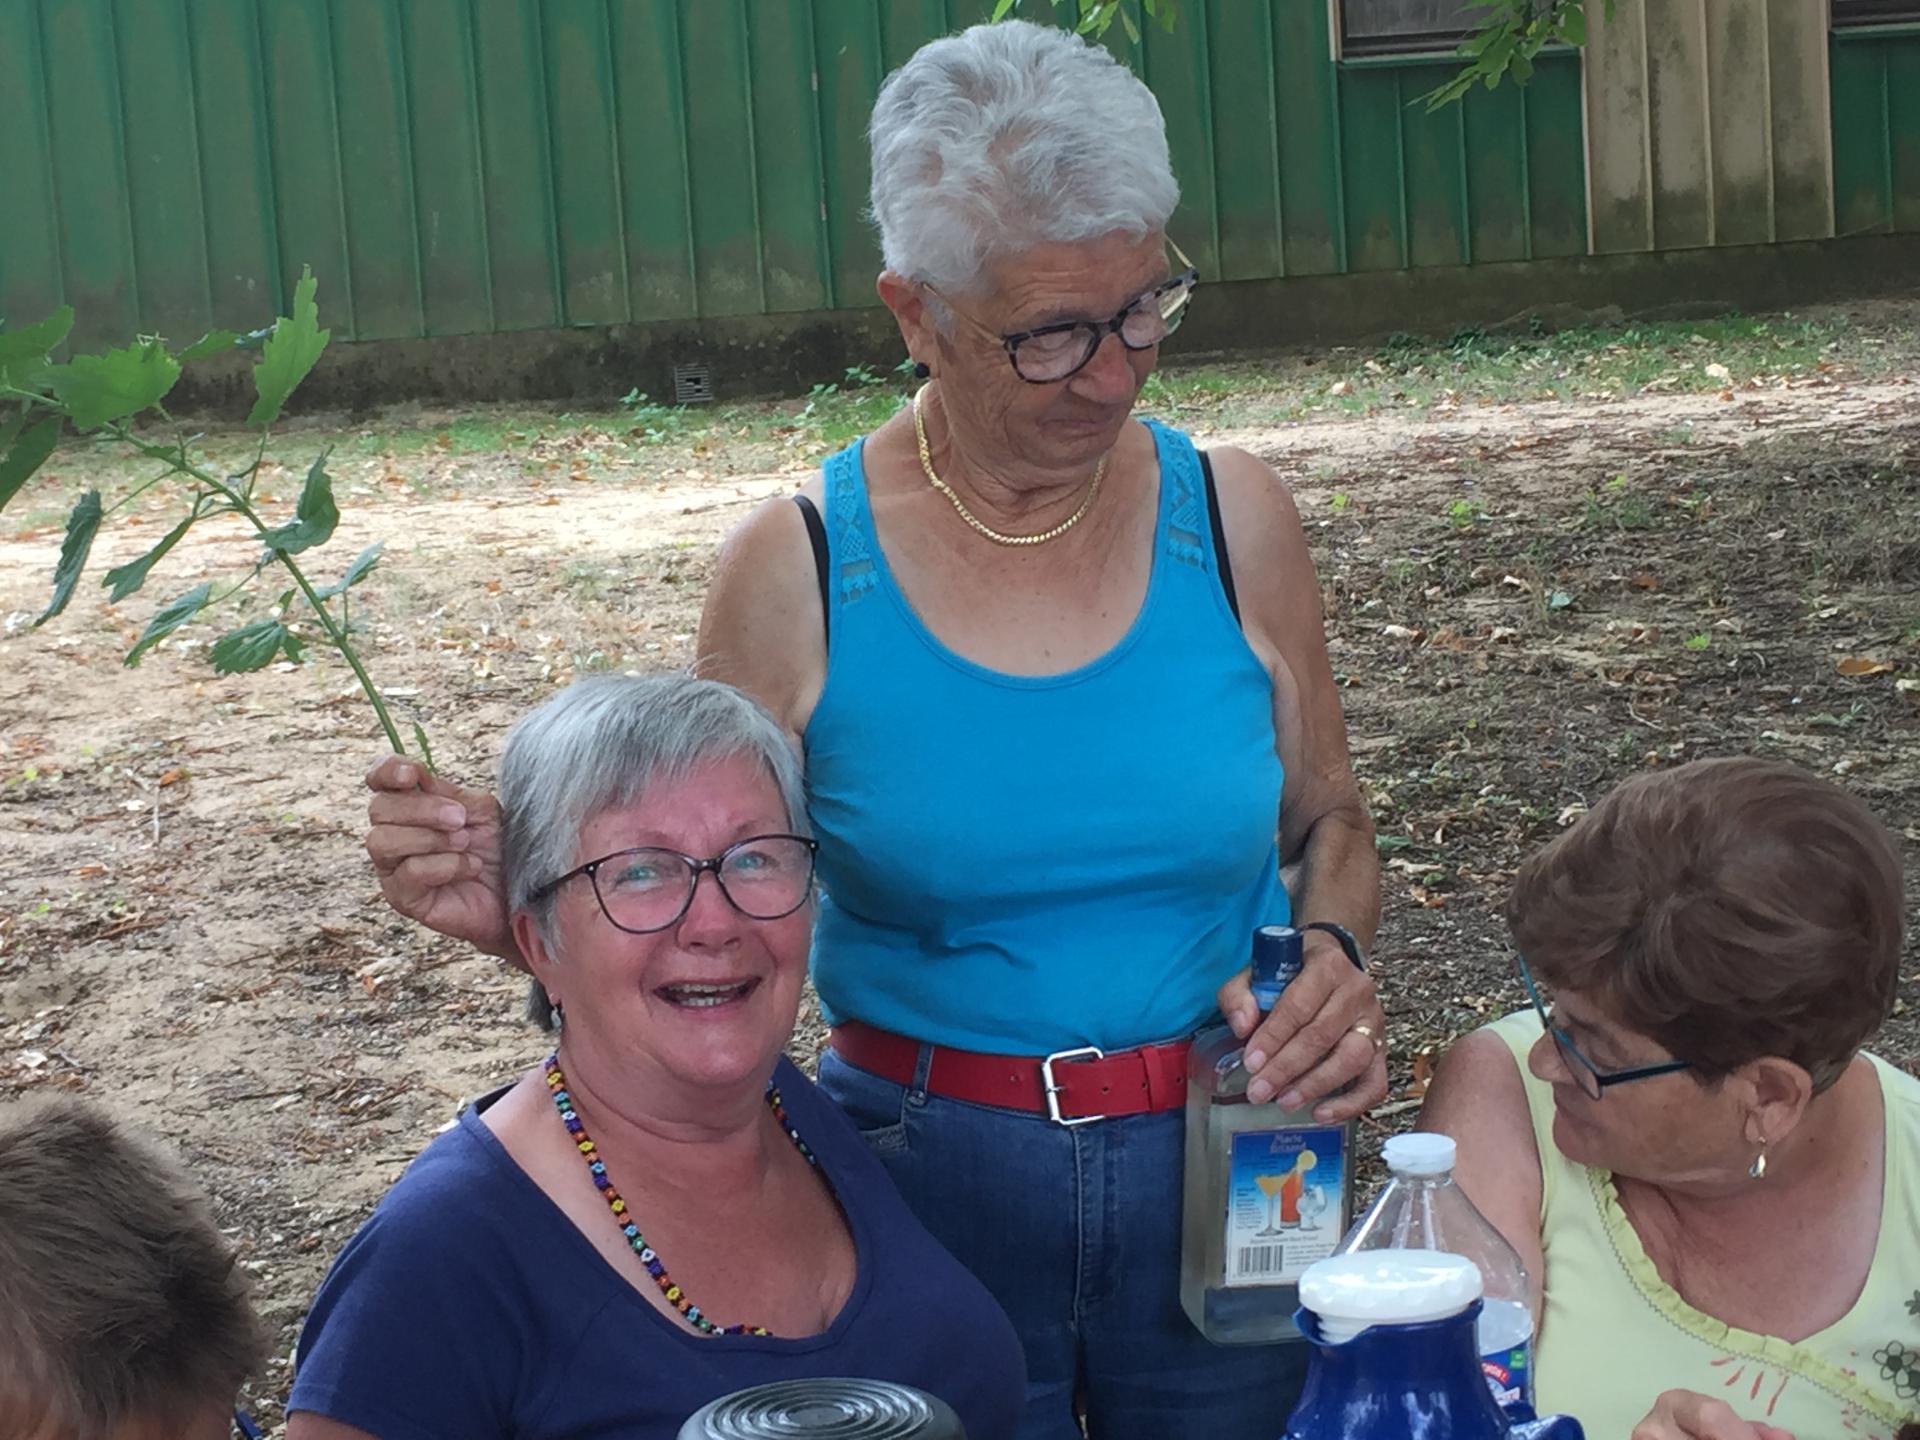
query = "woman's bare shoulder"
x=1254 y=500
x=763 y=627
x=1479 y=1097
x=1480 y=1069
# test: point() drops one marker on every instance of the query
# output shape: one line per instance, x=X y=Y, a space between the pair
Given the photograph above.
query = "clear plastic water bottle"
x=1422 y=1209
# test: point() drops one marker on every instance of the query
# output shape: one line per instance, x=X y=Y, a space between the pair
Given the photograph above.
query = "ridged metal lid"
x=825 y=1409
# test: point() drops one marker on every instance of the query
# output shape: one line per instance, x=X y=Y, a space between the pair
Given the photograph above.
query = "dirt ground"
x=1526 y=602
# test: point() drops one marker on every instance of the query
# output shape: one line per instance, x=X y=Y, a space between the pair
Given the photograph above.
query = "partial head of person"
x=1022 y=188
x=123 y=1315
x=659 y=869
x=1710 y=948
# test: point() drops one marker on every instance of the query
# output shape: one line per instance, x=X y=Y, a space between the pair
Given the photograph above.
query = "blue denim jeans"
x=1076 y=1232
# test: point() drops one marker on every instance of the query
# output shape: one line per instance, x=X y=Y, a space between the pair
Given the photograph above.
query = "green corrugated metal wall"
x=453 y=167
x=1876 y=131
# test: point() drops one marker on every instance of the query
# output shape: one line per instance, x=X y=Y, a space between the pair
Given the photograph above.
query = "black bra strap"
x=817 y=537
x=1220 y=556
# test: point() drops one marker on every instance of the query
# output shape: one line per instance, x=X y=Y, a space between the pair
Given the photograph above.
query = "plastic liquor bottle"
x=1422 y=1209
x=1268 y=1190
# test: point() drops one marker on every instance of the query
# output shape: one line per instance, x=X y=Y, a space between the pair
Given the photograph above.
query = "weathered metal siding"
x=1876 y=130
x=469 y=166
x=1708 y=123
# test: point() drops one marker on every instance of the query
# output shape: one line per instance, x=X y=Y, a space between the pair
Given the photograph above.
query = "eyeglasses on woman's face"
x=1048 y=354
x=649 y=887
x=1591 y=1078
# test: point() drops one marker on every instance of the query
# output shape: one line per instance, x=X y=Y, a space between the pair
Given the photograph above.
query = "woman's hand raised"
x=1684 y=1415
x=436 y=849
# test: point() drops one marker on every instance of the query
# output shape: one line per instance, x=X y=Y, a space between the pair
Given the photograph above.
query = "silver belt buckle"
x=1053 y=1089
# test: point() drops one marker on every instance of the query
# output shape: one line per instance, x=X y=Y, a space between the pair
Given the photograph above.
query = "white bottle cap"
x=1420 y=1152
x=1386 y=1287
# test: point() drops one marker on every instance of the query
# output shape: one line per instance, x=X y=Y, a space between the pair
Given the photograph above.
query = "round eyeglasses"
x=1591 y=1079
x=1048 y=354
x=648 y=888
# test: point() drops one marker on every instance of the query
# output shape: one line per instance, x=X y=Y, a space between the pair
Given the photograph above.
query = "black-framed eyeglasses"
x=1591 y=1079
x=648 y=888
x=1048 y=354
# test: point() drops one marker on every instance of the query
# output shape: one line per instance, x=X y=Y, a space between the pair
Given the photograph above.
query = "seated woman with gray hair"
x=1715 y=1189
x=666 y=1210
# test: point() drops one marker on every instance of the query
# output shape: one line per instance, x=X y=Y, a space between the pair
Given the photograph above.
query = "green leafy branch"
x=107 y=394
x=1513 y=33
x=1097 y=16
x=1510 y=37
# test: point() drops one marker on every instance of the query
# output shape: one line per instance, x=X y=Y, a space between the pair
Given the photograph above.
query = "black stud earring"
x=921 y=370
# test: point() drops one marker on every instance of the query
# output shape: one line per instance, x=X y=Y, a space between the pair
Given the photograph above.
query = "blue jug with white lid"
x=1396 y=1354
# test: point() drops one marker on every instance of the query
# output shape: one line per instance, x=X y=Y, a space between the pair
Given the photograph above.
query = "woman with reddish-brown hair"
x=1714 y=1187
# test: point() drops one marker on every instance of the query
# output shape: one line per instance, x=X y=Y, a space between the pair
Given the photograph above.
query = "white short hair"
x=1008 y=136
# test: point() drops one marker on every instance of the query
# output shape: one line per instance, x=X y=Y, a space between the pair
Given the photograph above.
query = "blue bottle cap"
x=1276 y=961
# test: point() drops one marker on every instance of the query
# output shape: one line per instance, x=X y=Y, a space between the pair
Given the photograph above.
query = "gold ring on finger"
x=1367 y=1030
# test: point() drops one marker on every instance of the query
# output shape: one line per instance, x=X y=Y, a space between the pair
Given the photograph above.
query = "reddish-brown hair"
x=1729 y=909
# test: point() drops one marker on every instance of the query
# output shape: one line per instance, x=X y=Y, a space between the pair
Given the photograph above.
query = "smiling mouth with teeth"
x=702 y=997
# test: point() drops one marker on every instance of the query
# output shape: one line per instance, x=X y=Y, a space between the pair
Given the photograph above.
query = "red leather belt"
x=1069 y=1087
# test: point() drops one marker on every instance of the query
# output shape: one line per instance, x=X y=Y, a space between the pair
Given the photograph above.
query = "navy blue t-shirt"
x=469 y=1307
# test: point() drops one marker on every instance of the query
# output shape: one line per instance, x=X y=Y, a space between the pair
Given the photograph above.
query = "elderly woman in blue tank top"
x=1063 y=692
x=665 y=1211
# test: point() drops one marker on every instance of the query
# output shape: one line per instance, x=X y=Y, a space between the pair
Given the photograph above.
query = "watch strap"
x=1346 y=939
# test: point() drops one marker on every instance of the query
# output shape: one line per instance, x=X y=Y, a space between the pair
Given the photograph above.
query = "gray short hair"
x=1008 y=136
x=599 y=744
x=120 y=1300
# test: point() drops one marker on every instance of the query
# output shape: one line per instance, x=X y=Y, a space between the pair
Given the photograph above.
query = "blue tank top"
x=1024 y=864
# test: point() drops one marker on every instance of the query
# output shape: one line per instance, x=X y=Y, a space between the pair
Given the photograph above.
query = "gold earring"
x=1758 y=1170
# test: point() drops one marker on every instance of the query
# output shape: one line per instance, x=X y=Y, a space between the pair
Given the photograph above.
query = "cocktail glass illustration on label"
x=1313 y=1204
x=1270 y=1187
x=1291 y=1186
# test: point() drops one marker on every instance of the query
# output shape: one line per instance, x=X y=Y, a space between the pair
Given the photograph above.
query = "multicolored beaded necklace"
x=563 y=1102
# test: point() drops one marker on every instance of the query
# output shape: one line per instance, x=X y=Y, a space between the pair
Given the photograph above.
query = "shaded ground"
x=1528 y=599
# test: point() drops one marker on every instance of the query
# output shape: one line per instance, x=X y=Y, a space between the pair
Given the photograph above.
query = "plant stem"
x=336 y=637
x=235 y=588
x=137 y=491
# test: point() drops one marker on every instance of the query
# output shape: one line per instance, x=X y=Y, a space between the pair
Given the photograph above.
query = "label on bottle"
x=1284 y=1194
x=1506 y=1348
x=1510 y=1376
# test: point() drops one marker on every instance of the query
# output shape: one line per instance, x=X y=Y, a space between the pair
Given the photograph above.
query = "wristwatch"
x=1345 y=937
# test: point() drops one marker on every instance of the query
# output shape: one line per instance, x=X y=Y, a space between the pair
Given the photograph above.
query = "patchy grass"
x=428 y=452
x=1475 y=367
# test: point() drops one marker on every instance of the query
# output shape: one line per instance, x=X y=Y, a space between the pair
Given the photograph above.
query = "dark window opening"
x=1407 y=27
x=1873 y=12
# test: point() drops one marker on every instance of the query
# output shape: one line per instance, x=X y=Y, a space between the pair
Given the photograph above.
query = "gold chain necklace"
x=926 y=464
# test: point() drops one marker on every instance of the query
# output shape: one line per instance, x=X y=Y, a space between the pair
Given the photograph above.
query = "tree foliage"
x=1096 y=17
x=1511 y=35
